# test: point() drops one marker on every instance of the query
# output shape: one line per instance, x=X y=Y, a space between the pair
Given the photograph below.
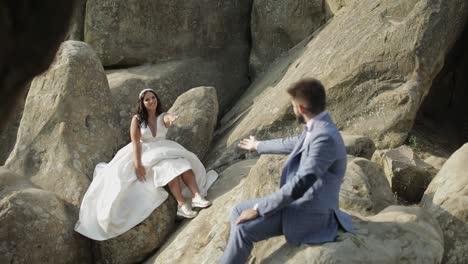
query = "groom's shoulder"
x=325 y=126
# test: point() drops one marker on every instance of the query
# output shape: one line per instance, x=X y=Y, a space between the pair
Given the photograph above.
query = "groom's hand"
x=249 y=144
x=247 y=215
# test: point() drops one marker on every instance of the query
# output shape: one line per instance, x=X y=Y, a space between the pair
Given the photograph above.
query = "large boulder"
x=408 y=175
x=198 y=113
x=392 y=236
x=365 y=188
x=396 y=235
x=377 y=60
x=36 y=226
x=137 y=32
x=446 y=199
x=277 y=26
x=70 y=124
x=139 y=242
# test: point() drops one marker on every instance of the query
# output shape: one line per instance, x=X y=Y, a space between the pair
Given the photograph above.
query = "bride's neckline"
x=155 y=128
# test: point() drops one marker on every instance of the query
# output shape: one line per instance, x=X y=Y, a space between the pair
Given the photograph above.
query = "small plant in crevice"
x=412 y=142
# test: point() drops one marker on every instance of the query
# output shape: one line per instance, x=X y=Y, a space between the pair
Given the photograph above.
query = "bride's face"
x=150 y=101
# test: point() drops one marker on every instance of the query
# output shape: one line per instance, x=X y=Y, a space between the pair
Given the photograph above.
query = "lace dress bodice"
x=161 y=131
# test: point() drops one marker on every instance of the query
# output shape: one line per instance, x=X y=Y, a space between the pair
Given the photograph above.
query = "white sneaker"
x=200 y=202
x=185 y=211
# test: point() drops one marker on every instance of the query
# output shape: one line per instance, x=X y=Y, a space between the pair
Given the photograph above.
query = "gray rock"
x=277 y=26
x=137 y=32
x=396 y=235
x=136 y=244
x=445 y=199
x=36 y=226
x=359 y=146
x=365 y=188
x=407 y=174
x=198 y=113
x=70 y=124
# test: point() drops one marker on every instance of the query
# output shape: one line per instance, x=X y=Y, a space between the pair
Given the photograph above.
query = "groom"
x=305 y=209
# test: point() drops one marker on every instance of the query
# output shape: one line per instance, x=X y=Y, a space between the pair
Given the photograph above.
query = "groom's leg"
x=243 y=236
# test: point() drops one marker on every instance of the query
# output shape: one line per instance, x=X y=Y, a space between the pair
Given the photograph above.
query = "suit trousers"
x=243 y=236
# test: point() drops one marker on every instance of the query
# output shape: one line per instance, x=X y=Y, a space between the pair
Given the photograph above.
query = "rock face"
x=365 y=188
x=393 y=236
x=396 y=235
x=70 y=125
x=376 y=73
x=136 y=32
x=136 y=244
x=408 y=175
x=277 y=26
x=36 y=226
x=445 y=198
x=359 y=146
x=198 y=112
x=23 y=23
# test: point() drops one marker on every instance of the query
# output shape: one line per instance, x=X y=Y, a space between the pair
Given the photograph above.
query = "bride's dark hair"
x=141 y=111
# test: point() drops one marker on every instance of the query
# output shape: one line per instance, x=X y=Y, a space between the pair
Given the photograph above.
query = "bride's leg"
x=174 y=186
x=182 y=208
x=197 y=200
x=189 y=180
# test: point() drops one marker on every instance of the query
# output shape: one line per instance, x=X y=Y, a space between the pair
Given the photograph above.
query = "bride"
x=127 y=189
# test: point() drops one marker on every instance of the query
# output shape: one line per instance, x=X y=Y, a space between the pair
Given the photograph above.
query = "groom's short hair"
x=312 y=92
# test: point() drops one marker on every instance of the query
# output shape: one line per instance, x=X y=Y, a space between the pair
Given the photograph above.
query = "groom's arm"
x=277 y=146
x=314 y=163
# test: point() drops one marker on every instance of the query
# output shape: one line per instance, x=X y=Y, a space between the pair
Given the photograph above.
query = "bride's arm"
x=135 y=136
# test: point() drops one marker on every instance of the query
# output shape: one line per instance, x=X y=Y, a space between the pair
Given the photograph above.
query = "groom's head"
x=308 y=98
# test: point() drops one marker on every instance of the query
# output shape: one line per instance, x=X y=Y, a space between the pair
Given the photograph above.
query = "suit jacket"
x=308 y=198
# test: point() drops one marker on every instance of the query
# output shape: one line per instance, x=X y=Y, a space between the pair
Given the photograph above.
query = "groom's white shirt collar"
x=310 y=124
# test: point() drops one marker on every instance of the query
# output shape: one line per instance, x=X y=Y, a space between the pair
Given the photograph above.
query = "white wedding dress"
x=116 y=201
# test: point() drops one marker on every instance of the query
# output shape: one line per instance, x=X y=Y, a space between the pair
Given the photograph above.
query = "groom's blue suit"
x=306 y=208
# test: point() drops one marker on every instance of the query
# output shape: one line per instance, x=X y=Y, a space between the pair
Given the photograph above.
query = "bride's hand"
x=171 y=118
x=140 y=172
